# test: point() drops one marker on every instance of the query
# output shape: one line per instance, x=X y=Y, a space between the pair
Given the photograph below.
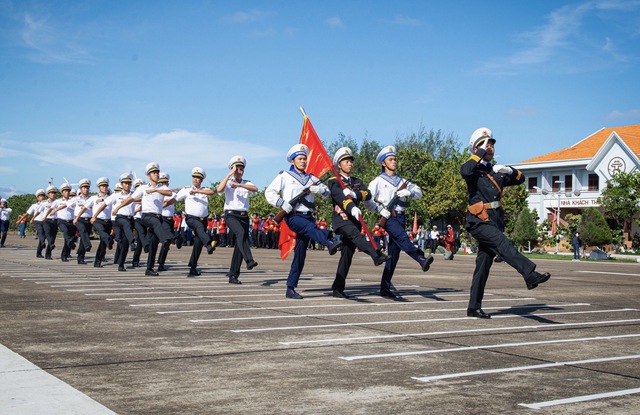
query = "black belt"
x=124 y=216
x=236 y=212
x=304 y=213
x=51 y=220
x=196 y=217
x=66 y=220
x=84 y=219
x=152 y=214
x=103 y=220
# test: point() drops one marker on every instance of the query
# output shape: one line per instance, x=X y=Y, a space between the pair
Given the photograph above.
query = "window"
x=568 y=183
x=555 y=187
x=594 y=182
x=533 y=181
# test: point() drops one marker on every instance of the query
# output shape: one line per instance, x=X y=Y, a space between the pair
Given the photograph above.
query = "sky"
x=98 y=88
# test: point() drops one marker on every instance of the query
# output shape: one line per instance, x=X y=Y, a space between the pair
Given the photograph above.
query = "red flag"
x=553 y=225
x=415 y=223
x=318 y=163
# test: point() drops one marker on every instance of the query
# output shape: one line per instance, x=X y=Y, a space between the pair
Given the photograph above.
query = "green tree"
x=525 y=230
x=620 y=199
x=19 y=205
x=514 y=199
x=594 y=229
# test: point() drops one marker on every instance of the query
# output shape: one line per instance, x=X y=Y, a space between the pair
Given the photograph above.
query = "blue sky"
x=97 y=88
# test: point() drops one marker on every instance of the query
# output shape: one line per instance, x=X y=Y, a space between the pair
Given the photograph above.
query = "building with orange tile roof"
x=572 y=178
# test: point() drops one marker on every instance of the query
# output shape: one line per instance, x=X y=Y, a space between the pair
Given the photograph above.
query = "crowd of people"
x=140 y=216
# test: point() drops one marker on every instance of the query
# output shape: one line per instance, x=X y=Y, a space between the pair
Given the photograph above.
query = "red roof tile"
x=588 y=147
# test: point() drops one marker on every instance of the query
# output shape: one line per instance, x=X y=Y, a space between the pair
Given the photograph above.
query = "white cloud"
x=251 y=16
x=334 y=22
x=633 y=114
x=406 y=21
x=51 y=44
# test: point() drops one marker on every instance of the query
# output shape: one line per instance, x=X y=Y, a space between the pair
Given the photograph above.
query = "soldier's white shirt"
x=196 y=204
x=116 y=198
x=42 y=209
x=4 y=213
x=137 y=209
x=384 y=187
x=33 y=209
x=236 y=198
x=288 y=185
x=77 y=203
x=66 y=213
x=95 y=202
x=151 y=202
x=169 y=210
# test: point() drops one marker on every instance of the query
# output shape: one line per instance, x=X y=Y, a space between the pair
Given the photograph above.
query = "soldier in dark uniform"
x=345 y=219
x=485 y=220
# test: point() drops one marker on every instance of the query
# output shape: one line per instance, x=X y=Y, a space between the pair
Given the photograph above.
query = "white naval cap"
x=65 y=186
x=341 y=154
x=85 y=183
x=40 y=192
x=138 y=182
x=102 y=181
x=118 y=187
x=73 y=192
x=297 y=150
x=237 y=160
x=151 y=167
x=163 y=177
x=125 y=178
x=479 y=136
x=51 y=189
x=198 y=172
x=384 y=153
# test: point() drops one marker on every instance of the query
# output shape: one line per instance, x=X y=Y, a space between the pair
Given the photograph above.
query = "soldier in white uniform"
x=236 y=192
x=285 y=187
x=83 y=219
x=141 y=231
x=5 y=212
x=151 y=198
x=100 y=219
x=49 y=224
x=63 y=214
x=196 y=208
x=36 y=220
x=167 y=222
x=384 y=189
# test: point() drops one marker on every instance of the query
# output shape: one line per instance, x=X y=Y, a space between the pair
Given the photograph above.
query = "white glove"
x=356 y=213
x=499 y=168
x=314 y=189
x=349 y=192
x=404 y=193
x=485 y=144
x=385 y=213
x=287 y=207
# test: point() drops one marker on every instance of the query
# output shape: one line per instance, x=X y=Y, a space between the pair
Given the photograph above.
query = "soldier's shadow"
x=527 y=310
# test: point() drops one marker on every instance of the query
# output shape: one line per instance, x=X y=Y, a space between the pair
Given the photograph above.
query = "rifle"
x=293 y=202
x=393 y=202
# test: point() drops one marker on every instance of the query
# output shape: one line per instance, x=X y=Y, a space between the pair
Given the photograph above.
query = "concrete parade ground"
x=83 y=340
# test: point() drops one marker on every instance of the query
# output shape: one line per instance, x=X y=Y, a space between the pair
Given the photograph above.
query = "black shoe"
x=97 y=265
x=72 y=246
x=340 y=294
x=133 y=246
x=380 y=259
x=234 y=280
x=211 y=247
x=291 y=293
x=53 y=247
x=65 y=259
x=151 y=272
x=477 y=313
x=87 y=248
x=537 y=279
x=135 y=265
x=145 y=249
x=39 y=256
x=162 y=268
x=498 y=258
x=425 y=262
x=81 y=261
x=333 y=248
x=251 y=265
x=48 y=257
x=122 y=269
x=387 y=294
x=110 y=243
x=179 y=242
x=194 y=273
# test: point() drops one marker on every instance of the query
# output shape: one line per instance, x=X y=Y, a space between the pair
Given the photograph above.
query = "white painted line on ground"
x=609 y=273
x=490 y=346
x=328 y=306
x=432 y=333
x=582 y=398
x=519 y=368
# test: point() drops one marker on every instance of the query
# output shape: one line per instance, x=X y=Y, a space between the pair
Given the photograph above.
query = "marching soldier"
x=100 y=219
x=285 y=187
x=384 y=189
x=346 y=218
x=36 y=220
x=236 y=192
x=151 y=198
x=123 y=221
x=168 y=210
x=485 y=220
x=49 y=224
x=196 y=208
x=64 y=218
x=83 y=219
x=141 y=231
